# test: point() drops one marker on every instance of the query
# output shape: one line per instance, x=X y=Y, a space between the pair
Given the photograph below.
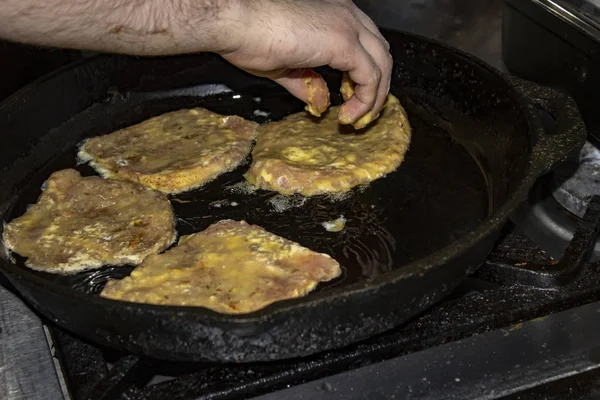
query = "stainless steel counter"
x=27 y=368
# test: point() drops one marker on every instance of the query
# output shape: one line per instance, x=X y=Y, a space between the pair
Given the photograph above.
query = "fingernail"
x=364 y=120
x=344 y=118
x=313 y=110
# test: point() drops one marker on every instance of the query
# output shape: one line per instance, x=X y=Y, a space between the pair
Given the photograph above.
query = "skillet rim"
x=437 y=259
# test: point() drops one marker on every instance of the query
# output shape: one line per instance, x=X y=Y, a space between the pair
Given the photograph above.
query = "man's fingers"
x=347 y=88
x=308 y=86
x=384 y=61
x=371 y=74
x=363 y=71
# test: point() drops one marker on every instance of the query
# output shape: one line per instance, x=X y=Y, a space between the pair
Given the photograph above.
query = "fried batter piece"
x=302 y=154
x=231 y=267
x=174 y=152
x=318 y=93
x=84 y=223
x=347 y=90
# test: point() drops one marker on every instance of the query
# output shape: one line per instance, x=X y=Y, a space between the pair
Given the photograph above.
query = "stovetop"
x=490 y=338
x=524 y=326
x=490 y=328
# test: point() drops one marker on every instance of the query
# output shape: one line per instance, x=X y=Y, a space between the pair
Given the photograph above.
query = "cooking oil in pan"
x=434 y=197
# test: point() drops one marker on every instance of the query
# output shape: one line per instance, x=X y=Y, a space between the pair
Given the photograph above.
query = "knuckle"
x=345 y=54
x=372 y=83
x=345 y=29
x=375 y=77
x=389 y=60
x=345 y=14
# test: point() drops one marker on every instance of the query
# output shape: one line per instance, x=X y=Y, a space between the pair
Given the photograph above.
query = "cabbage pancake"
x=306 y=155
x=83 y=223
x=173 y=152
x=231 y=267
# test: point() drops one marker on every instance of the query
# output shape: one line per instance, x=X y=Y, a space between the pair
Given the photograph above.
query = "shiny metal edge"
x=59 y=372
x=572 y=16
x=27 y=368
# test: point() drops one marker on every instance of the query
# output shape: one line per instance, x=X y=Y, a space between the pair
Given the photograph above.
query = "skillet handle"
x=551 y=148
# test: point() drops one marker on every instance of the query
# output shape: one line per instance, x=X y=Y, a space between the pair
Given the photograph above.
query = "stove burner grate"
x=575 y=189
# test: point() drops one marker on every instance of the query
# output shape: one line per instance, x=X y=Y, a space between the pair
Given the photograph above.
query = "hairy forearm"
x=141 y=27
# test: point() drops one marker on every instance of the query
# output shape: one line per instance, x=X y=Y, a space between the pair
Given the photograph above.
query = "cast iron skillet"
x=411 y=237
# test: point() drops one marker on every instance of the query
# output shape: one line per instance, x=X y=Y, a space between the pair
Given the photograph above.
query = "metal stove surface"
x=472 y=345
x=559 y=201
x=491 y=338
x=575 y=189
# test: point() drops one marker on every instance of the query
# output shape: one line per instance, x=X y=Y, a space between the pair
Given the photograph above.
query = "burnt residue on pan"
x=438 y=194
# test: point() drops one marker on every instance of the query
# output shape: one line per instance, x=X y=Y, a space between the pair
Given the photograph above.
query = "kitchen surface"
x=524 y=326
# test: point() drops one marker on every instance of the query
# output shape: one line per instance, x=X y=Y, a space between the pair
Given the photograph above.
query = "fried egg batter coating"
x=231 y=267
x=173 y=152
x=307 y=155
x=84 y=223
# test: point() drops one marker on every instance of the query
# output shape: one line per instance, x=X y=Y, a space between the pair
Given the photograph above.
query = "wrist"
x=205 y=25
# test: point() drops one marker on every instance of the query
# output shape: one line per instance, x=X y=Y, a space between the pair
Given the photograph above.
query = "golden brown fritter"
x=231 y=267
x=307 y=155
x=174 y=152
x=84 y=223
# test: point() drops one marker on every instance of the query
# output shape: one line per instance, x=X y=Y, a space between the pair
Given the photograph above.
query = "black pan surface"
x=436 y=196
x=410 y=237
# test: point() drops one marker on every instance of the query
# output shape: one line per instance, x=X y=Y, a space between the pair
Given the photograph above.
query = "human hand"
x=279 y=39
x=284 y=39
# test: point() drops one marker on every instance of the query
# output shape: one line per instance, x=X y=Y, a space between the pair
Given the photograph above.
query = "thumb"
x=308 y=86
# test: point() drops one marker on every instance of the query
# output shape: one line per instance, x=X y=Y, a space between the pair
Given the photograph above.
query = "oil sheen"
x=435 y=197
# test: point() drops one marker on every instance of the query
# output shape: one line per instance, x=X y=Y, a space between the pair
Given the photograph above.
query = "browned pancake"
x=231 y=267
x=83 y=223
x=173 y=152
x=307 y=155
